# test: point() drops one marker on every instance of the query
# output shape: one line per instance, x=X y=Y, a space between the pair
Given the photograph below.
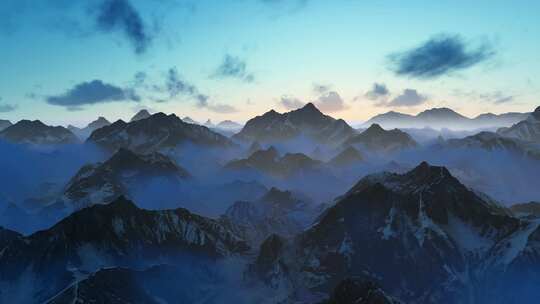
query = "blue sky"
x=70 y=61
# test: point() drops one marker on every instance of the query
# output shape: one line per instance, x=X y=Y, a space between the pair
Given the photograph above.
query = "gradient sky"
x=238 y=58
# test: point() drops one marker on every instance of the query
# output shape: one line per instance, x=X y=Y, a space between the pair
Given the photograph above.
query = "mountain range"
x=117 y=234
x=375 y=138
x=37 y=133
x=156 y=133
x=307 y=122
x=270 y=162
x=440 y=118
x=104 y=182
x=448 y=243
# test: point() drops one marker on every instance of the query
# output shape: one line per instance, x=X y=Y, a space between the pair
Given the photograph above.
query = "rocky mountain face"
x=270 y=162
x=158 y=132
x=449 y=244
x=104 y=182
x=101 y=236
x=493 y=141
x=440 y=118
x=83 y=133
x=376 y=139
x=526 y=130
x=276 y=212
x=37 y=133
x=308 y=121
x=142 y=114
x=4 y=124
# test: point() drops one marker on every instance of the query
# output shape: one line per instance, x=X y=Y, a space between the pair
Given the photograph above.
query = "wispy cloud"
x=496 y=97
x=233 y=67
x=440 y=55
x=175 y=86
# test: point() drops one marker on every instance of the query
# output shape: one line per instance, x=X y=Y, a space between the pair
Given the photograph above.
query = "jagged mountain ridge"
x=117 y=234
x=37 y=133
x=104 y=182
x=307 y=121
x=526 y=130
x=83 y=133
x=443 y=238
x=494 y=142
x=270 y=162
x=276 y=212
x=440 y=118
x=142 y=114
x=375 y=138
x=349 y=156
x=156 y=133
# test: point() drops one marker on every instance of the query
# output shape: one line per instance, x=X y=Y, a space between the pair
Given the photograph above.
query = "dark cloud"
x=379 y=90
x=330 y=102
x=438 y=56
x=93 y=92
x=233 y=67
x=120 y=15
x=409 y=98
x=291 y=103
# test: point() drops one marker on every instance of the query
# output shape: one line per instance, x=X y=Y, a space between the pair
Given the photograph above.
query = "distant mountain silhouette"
x=229 y=125
x=440 y=118
x=492 y=141
x=36 y=132
x=83 y=133
x=270 y=162
x=347 y=157
x=375 y=138
x=307 y=121
x=142 y=114
x=156 y=133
